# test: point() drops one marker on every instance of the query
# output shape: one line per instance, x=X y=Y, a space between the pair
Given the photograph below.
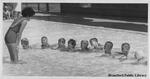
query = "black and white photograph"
x=75 y=39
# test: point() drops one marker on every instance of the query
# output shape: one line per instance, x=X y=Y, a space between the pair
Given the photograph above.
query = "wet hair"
x=95 y=39
x=84 y=41
x=43 y=38
x=72 y=42
x=61 y=40
x=28 y=12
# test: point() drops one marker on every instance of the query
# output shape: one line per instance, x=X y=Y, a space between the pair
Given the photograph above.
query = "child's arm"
x=122 y=59
x=53 y=47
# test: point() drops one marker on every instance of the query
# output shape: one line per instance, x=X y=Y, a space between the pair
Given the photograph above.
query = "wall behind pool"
x=120 y=10
x=113 y=10
x=44 y=7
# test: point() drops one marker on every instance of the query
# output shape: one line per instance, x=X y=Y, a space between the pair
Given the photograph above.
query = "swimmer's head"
x=71 y=44
x=61 y=41
x=108 y=47
x=94 y=42
x=25 y=43
x=125 y=47
x=84 y=44
x=44 y=40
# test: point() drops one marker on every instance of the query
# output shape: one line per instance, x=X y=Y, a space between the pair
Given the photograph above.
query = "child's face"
x=108 y=46
x=125 y=48
x=61 y=42
x=84 y=44
x=25 y=44
x=70 y=45
x=44 y=40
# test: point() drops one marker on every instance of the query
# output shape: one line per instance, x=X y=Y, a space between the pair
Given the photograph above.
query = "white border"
x=64 y=1
x=148 y=37
x=1 y=44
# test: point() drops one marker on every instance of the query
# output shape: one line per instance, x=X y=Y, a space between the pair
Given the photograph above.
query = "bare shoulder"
x=24 y=21
x=19 y=20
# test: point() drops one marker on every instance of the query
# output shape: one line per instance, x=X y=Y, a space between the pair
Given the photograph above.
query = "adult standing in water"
x=14 y=33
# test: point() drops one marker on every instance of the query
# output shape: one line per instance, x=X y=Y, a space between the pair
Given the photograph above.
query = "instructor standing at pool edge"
x=14 y=33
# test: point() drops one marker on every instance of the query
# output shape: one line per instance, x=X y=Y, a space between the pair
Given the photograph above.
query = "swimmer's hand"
x=54 y=46
x=122 y=58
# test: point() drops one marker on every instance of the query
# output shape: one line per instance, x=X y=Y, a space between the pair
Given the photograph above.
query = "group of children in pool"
x=95 y=46
x=84 y=47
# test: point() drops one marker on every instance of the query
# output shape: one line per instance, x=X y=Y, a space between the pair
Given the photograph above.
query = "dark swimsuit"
x=11 y=35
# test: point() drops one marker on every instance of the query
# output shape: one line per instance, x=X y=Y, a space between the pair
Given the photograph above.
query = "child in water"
x=123 y=55
x=125 y=47
x=61 y=43
x=140 y=58
x=95 y=46
x=84 y=45
x=71 y=45
x=25 y=43
x=108 y=47
x=137 y=55
x=44 y=41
